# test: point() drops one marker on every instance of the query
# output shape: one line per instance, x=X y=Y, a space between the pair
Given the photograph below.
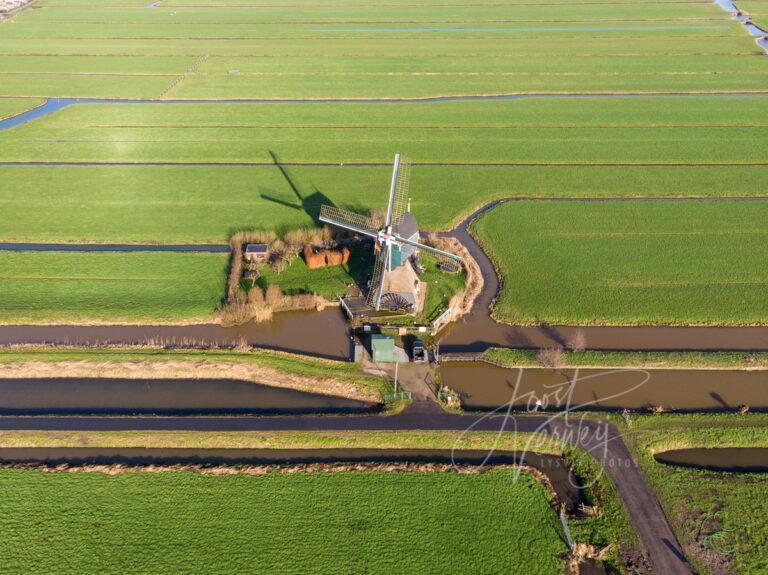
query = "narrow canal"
x=104 y=396
x=486 y=387
x=733 y=459
x=322 y=334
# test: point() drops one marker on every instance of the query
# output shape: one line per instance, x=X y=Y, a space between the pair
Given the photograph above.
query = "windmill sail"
x=398 y=190
x=401 y=240
x=377 y=280
x=348 y=220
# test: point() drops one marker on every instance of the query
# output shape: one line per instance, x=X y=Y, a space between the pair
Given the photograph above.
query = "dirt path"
x=598 y=437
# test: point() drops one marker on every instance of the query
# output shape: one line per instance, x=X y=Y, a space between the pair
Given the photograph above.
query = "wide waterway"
x=56 y=396
x=321 y=334
x=486 y=387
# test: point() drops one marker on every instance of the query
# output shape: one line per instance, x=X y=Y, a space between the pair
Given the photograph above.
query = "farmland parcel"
x=289 y=523
x=629 y=262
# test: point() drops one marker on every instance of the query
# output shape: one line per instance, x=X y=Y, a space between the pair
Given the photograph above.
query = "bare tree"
x=578 y=341
x=551 y=357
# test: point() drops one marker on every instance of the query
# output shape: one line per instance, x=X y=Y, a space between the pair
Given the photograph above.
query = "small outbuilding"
x=383 y=348
x=255 y=253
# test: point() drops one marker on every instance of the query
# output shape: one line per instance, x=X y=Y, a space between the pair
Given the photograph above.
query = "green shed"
x=383 y=348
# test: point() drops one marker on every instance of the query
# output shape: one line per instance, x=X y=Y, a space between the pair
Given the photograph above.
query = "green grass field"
x=627 y=130
x=642 y=359
x=716 y=515
x=14 y=106
x=136 y=287
x=271 y=50
x=585 y=147
x=629 y=262
x=329 y=282
x=351 y=522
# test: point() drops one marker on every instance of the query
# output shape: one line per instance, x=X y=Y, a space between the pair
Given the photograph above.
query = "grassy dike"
x=718 y=517
x=638 y=359
x=609 y=525
x=265 y=367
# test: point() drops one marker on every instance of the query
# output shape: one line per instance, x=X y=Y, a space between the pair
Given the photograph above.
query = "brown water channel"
x=321 y=334
x=485 y=387
x=743 y=459
x=102 y=396
x=564 y=482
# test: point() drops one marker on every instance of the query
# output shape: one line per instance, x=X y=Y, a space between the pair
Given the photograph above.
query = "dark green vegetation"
x=354 y=50
x=441 y=287
x=629 y=262
x=352 y=522
x=719 y=517
x=40 y=287
x=645 y=359
x=329 y=282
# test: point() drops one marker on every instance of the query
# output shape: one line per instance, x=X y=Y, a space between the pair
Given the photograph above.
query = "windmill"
x=394 y=284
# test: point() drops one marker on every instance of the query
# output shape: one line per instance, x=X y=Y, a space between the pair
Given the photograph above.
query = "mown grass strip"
x=38 y=287
x=638 y=359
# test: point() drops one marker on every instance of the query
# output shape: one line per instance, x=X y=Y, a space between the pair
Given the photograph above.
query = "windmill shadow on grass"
x=309 y=204
x=360 y=265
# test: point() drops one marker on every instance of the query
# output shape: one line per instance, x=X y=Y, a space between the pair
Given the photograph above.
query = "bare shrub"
x=256 y=296
x=304 y=301
x=296 y=237
x=312 y=236
x=261 y=313
x=277 y=247
x=242 y=345
x=252 y=237
x=235 y=271
x=274 y=296
x=279 y=264
x=578 y=341
x=236 y=311
x=551 y=357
